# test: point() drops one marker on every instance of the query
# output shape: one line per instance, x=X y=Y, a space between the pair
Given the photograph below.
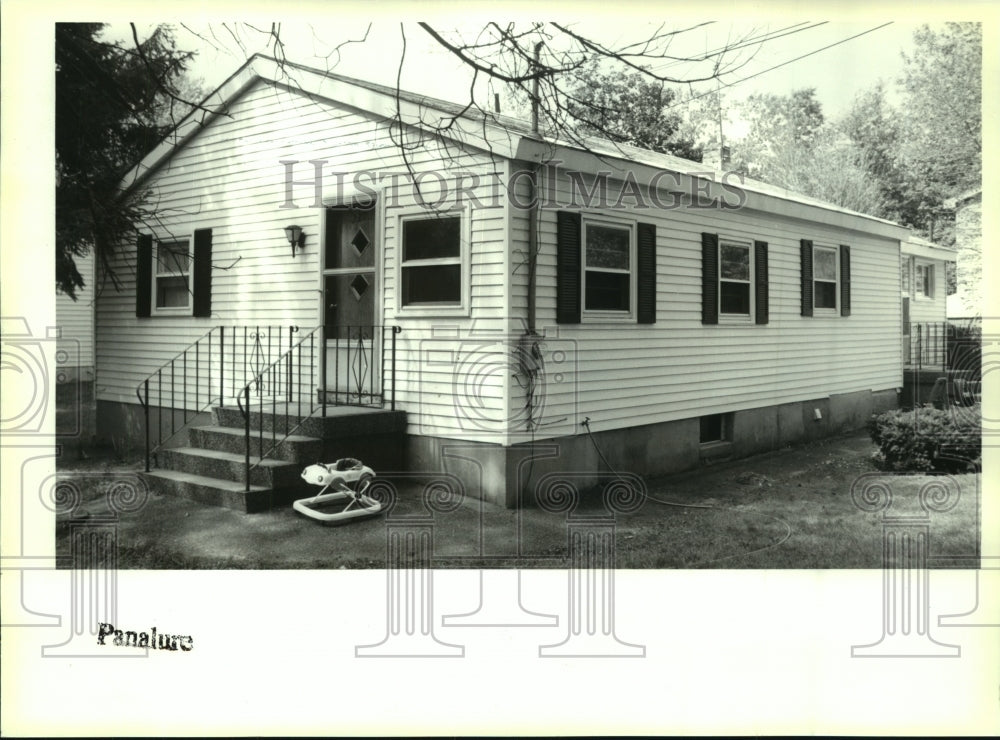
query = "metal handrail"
x=276 y=383
x=203 y=393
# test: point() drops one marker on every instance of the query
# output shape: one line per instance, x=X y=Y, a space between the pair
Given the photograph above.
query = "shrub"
x=927 y=439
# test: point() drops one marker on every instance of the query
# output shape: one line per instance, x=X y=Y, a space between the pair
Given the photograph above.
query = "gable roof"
x=501 y=135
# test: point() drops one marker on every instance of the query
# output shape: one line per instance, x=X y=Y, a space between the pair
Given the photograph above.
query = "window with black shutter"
x=174 y=275
x=761 y=283
x=826 y=279
x=606 y=269
x=734 y=285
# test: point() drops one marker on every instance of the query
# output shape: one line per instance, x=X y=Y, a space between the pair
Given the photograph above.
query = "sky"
x=795 y=57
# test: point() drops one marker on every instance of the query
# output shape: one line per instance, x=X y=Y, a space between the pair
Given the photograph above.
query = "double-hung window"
x=172 y=286
x=825 y=278
x=924 y=279
x=734 y=280
x=609 y=259
x=735 y=283
x=605 y=269
x=431 y=265
x=173 y=277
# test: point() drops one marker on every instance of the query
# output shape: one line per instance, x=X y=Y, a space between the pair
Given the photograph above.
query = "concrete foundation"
x=513 y=476
x=75 y=411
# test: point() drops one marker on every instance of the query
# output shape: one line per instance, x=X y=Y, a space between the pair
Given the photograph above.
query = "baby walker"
x=341 y=476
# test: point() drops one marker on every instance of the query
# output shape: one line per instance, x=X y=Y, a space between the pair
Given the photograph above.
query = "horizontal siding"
x=628 y=374
x=75 y=320
x=230 y=178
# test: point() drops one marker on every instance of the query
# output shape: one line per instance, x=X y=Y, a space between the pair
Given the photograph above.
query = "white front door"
x=349 y=295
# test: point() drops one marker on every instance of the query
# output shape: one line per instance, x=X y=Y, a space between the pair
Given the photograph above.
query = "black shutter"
x=906 y=316
x=202 y=277
x=845 y=280
x=709 y=278
x=807 y=277
x=760 y=282
x=143 y=275
x=646 y=279
x=567 y=267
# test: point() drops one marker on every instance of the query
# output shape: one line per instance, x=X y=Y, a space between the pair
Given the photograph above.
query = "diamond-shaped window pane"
x=360 y=241
x=358 y=286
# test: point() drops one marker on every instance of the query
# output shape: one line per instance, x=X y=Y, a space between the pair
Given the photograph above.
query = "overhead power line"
x=783 y=64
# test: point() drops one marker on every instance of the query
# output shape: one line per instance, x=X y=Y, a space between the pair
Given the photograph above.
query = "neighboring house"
x=677 y=316
x=74 y=381
x=923 y=289
x=75 y=320
x=968 y=298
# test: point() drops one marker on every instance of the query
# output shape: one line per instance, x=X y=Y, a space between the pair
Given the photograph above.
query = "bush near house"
x=927 y=438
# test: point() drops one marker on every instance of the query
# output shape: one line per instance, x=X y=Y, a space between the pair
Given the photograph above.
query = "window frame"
x=463 y=260
x=155 y=274
x=827 y=310
x=726 y=430
x=906 y=276
x=926 y=288
x=737 y=318
x=592 y=315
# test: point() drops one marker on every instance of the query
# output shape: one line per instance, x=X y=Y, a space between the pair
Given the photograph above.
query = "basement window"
x=715 y=428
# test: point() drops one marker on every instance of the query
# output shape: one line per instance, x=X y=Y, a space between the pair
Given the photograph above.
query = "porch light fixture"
x=295 y=237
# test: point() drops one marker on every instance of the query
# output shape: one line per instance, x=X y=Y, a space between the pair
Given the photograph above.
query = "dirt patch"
x=787 y=509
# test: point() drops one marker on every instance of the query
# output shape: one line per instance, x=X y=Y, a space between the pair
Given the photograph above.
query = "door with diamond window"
x=349 y=295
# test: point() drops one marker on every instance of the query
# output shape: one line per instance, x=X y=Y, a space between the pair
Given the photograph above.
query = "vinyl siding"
x=924 y=309
x=75 y=320
x=230 y=178
x=625 y=374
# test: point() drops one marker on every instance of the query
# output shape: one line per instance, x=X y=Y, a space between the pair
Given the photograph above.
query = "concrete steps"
x=214 y=491
x=296 y=448
x=211 y=467
x=232 y=467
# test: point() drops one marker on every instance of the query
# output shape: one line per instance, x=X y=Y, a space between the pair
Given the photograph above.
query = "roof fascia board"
x=533 y=151
x=480 y=134
x=928 y=252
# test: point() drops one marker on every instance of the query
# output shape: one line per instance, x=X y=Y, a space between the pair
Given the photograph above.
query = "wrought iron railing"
x=953 y=345
x=925 y=344
x=364 y=374
x=211 y=371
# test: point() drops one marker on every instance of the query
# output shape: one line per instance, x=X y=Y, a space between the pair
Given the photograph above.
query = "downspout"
x=529 y=353
x=533 y=202
x=532 y=244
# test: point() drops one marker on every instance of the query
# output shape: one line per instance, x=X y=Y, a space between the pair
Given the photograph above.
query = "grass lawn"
x=788 y=509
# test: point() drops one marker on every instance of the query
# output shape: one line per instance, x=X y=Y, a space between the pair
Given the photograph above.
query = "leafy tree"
x=873 y=127
x=942 y=110
x=777 y=124
x=113 y=105
x=791 y=144
x=627 y=108
x=940 y=144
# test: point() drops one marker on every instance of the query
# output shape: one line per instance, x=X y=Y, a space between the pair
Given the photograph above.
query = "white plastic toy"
x=349 y=478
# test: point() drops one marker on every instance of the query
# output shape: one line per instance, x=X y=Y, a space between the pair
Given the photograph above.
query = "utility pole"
x=718 y=110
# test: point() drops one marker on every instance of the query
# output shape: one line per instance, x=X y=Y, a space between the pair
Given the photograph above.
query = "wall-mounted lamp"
x=295 y=237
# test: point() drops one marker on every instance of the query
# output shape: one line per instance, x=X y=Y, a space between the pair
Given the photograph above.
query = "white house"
x=559 y=308
x=924 y=301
